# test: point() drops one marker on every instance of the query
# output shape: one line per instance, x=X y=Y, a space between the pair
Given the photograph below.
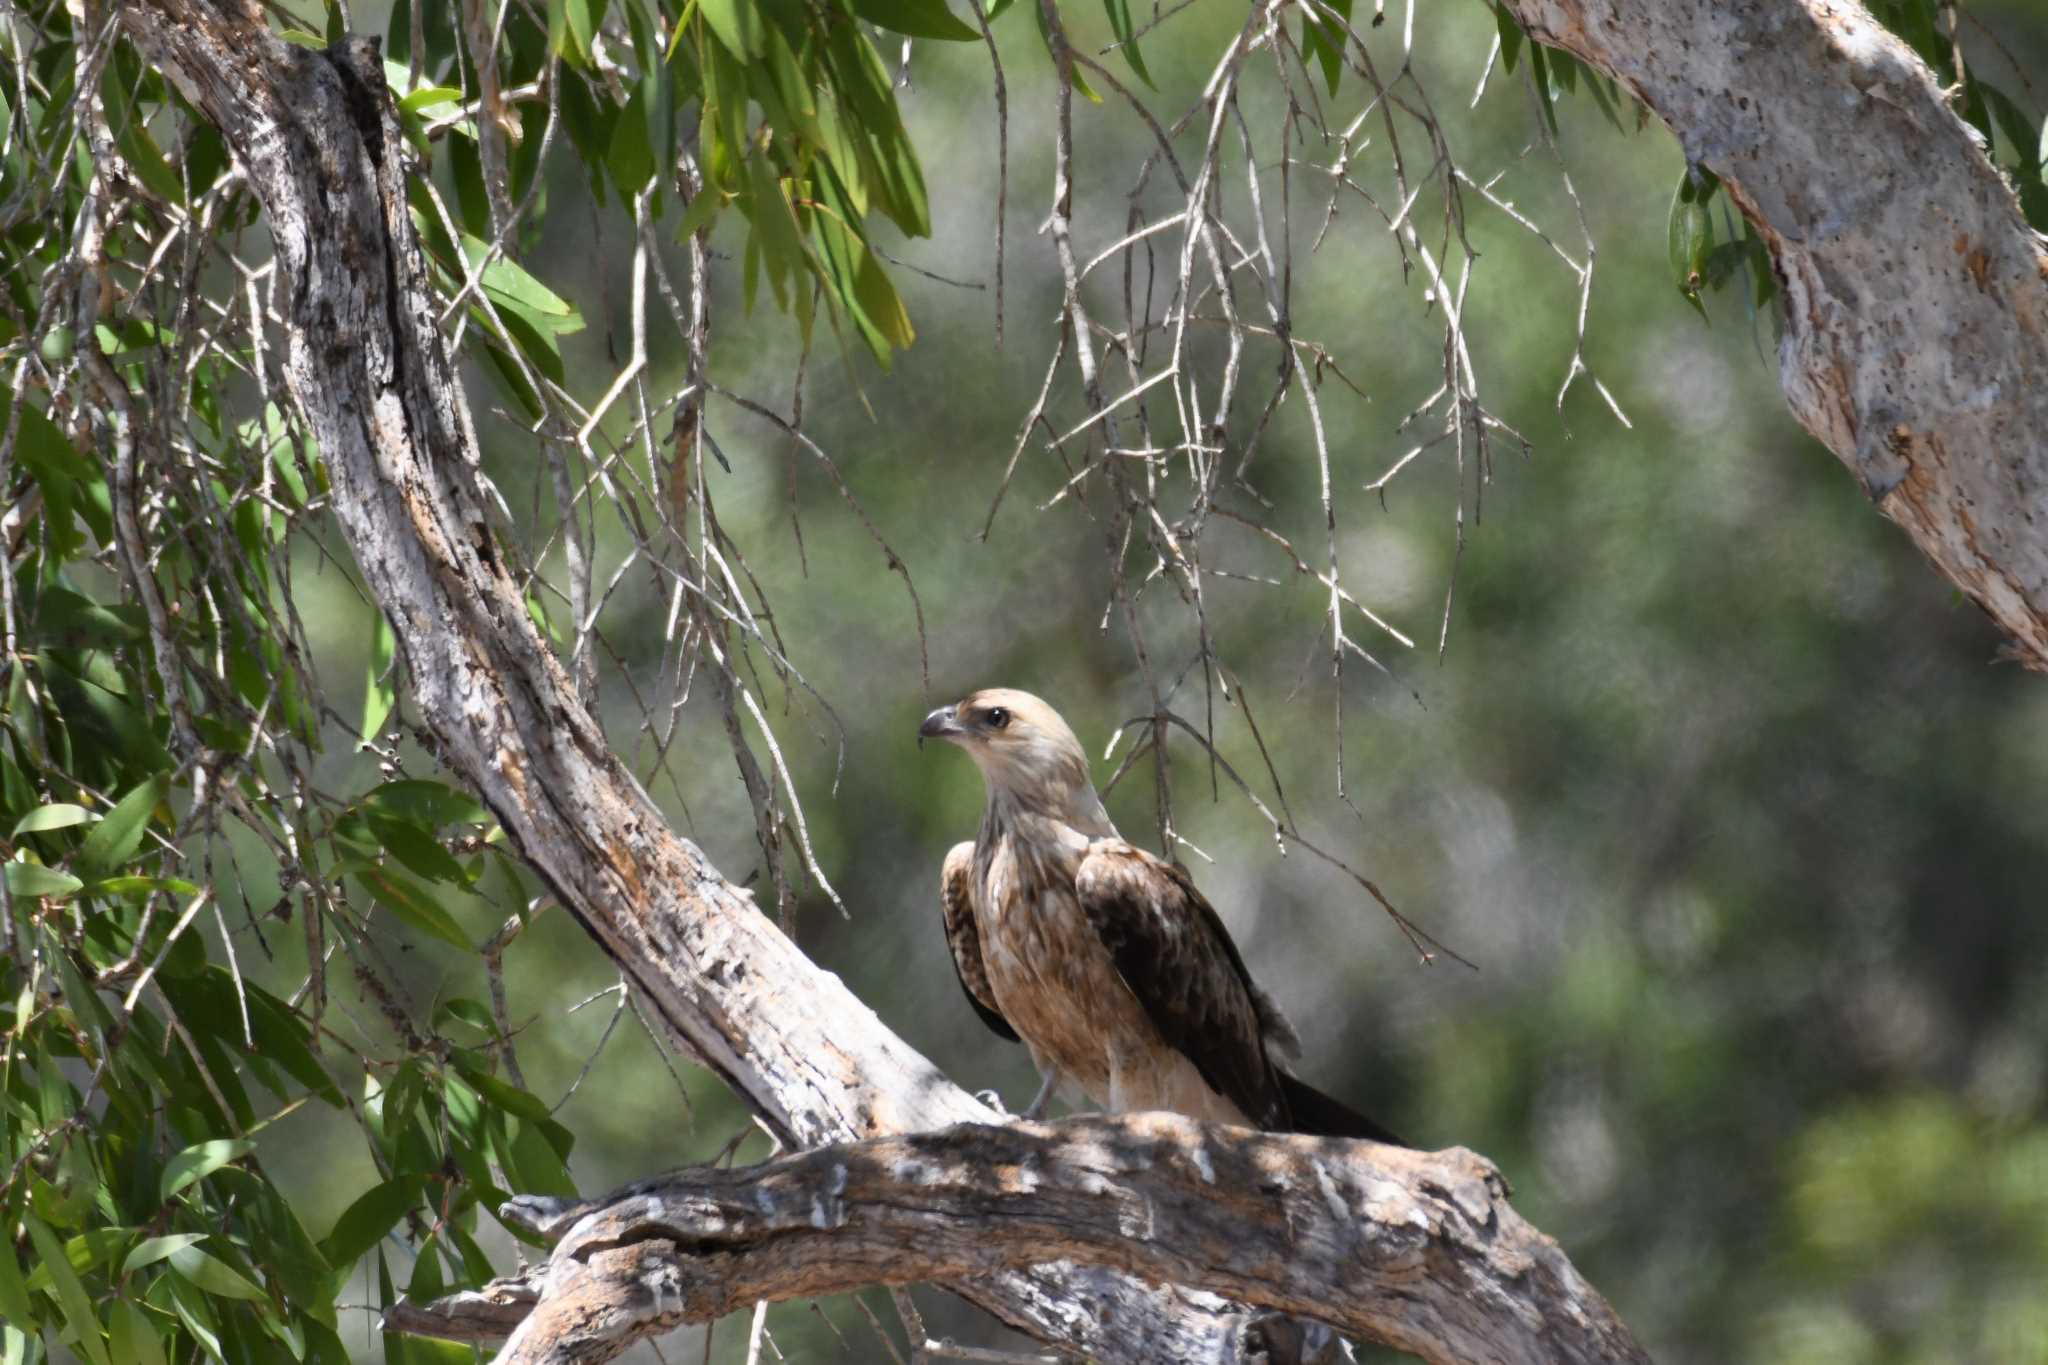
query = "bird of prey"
x=1104 y=960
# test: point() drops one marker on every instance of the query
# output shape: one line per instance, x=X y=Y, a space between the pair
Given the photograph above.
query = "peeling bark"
x=1916 y=296
x=1417 y=1250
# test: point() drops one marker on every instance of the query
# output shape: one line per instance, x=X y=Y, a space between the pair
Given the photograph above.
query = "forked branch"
x=1416 y=1250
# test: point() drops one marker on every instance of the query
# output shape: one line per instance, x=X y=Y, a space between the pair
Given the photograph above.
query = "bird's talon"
x=993 y=1101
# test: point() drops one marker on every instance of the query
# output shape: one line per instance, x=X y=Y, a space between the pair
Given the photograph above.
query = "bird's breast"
x=1055 y=981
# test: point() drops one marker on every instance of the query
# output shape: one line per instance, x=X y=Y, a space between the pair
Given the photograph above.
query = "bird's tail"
x=1314 y=1112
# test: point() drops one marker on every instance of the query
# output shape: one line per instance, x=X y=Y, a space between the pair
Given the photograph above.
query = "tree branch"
x=1416 y=1250
x=1916 y=296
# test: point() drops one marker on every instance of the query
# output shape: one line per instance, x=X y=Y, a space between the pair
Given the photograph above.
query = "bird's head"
x=1024 y=750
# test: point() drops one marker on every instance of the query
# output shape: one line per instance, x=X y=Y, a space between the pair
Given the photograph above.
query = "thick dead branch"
x=1916 y=296
x=1416 y=1250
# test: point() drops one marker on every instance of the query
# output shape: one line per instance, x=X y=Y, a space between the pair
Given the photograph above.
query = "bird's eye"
x=997 y=717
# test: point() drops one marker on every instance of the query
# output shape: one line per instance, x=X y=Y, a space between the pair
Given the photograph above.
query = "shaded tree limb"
x=1915 y=293
x=1416 y=1250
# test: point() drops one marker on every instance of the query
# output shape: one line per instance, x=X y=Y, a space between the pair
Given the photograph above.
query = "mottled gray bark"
x=1416 y=1250
x=1916 y=296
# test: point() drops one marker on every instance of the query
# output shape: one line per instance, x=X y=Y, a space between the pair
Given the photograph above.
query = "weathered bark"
x=1417 y=1250
x=1916 y=296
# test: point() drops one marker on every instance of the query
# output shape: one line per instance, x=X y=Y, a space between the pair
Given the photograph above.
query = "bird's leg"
x=1036 y=1109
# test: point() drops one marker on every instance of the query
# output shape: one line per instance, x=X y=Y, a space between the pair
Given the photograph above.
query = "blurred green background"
x=1718 y=784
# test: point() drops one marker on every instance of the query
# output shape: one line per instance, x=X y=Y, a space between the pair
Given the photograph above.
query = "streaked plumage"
x=1103 y=959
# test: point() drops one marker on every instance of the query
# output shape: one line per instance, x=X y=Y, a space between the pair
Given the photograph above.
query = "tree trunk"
x=1916 y=296
x=1418 y=1250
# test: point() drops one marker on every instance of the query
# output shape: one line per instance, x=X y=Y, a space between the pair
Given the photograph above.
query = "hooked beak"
x=943 y=723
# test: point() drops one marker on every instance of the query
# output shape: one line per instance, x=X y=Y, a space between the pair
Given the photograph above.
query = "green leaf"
x=427 y=96
x=138 y=886
x=879 y=300
x=1119 y=12
x=201 y=1160
x=702 y=211
x=1688 y=235
x=113 y=840
x=737 y=24
x=917 y=19
x=363 y=1224
x=91 y=1249
x=131 y=136
x=506 y=282
x=192 y=1310
x=418 y=851
x=14 y=1304
x=430 y=803
x=1539 y=67
x=134 y=1338
x=1510 y=37
x=630 y=157
x=380 y=688
x=412 y=903
x=575 y=21
x=214 y=1276
x=87 y=1334
x=33 y=879
x=154 y=1249
x=57 y=815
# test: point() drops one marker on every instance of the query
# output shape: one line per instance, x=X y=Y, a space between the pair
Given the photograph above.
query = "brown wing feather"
x=963 y=936
x=1172 y=950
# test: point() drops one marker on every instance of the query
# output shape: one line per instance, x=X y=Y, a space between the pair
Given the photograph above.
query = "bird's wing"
x=956 y=904
x=1173 y=952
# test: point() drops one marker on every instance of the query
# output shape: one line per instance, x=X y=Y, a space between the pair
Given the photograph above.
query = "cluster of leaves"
x=158 y=823
x=796 y=128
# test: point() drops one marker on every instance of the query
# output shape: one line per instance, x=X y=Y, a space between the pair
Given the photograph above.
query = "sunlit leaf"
x=201 y=1160
x=87 y=1334
x=33 y=879
x=214 y=1276
x=114 y=840
x=57 y=815
x=154 y=1249
x=917 y=19
x=737 y=24
x=380 y=685
x=505 y=281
